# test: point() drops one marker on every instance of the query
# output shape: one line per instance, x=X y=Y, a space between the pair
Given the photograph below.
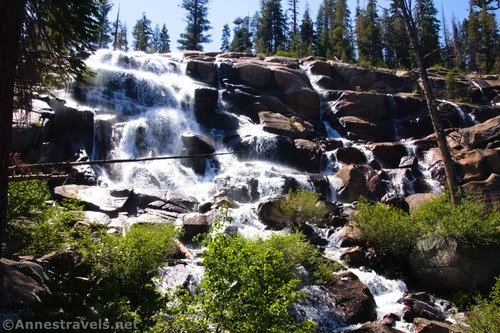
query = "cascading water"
x=149 y=103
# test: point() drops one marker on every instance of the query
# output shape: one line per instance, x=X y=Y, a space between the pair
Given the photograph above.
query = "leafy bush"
x=299 y=207
x=395 y=232
x=389 y=229
x=484 y=317
x=248 y=285
x=44 y=227
x=128 y=260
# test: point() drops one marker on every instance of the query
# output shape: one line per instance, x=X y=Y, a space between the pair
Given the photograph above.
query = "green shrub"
x=395 y=232
x=248 y=285
x=468 y=221
x=128 y=260
x=390 y=230
x=43 y=227
x=299 y=207
x=484 y=317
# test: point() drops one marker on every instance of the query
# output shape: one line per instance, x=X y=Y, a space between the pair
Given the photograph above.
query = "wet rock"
x=396 y=201
x=416 y=308
x=389 y=154
x=480 y=136
x=318 y=305
x=308 y=155
x=375 y=184
x=225 y=201
x=268 y=212
x=93 y=197
x=355 y=256
x=354 y=298
x=205 y=104
x=350 y=236
x=185 y=202
x=408 y=162
x=240 y=189
x=390 y=319
x=194 y=145
x=353 y=184
x=203 y=71
x=351 y=155
x=375 y=328
x=305 y=101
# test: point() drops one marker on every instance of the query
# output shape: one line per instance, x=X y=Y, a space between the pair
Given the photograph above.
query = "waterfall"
x=145 y=104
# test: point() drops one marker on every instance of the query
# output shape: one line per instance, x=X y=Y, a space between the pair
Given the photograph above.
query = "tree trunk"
x=12 y=14
x=425 y=85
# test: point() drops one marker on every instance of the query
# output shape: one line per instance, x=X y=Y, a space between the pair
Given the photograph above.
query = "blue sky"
x=225 y=11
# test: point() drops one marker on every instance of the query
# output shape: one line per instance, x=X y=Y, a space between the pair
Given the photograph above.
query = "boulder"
x=375 y=328
x=488 y=190
x=445 y=265
x=350 y=236
x=194 y=224
x=371 y=106
x=23 y=284
x=240 y=189
x=351 y=155
x=366 y=129
x=285 y=78
x=202 y=71
x=416 y=308
x=355 y=256
x=94 y=197
x=353 y=184
x=478 y=165
x=423 y=325
x=182 y=201
x=304 y=101
x=389 y=154
x=269 y=213
x=255 y=75
x=354 y=298
x=308 y=155
x=416 y=200
x=194 y=145
x=480 y=136
x=205 y=104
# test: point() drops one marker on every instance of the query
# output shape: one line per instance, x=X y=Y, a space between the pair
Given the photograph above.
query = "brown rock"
x=194 y=224
x=255 y=75
x=93 y=197
x=375 y=328
x=480 y=164
x=389 y=154
x=488 y=190
x=353 y=184
x=423 y=325
x=203 y=71
x=305 y=101
x=482 y=135
x=416 y=200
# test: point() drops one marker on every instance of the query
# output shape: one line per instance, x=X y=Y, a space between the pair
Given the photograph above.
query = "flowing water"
x=149 y=103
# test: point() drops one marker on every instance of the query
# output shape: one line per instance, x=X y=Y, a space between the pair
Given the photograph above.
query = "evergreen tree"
x=105 y=29
x=121 y=38
x=242 y=39
x=294 y=26
x=271 y=28
x=164 y=42
x=142 y=34
x=324 y=28
x=40 y=40
x=397 y=46
x=458 y=44
x=472 y=39
x=488 y=48
x=343 y=42
x=306 y=34
x=428 y=28
x=155 y=40
x=369 y=34
x=197 y=25
x=226 y=34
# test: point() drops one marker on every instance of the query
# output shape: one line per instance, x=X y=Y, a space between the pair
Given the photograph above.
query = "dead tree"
x=404 y=8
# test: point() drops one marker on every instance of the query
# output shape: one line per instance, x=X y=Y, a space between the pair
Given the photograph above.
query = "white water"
x=151 y=102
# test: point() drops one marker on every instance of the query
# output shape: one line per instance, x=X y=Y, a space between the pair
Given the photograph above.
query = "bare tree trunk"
x=12 y=14
x=425 y=85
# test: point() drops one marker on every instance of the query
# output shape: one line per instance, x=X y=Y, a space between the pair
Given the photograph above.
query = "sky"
x=221 y=12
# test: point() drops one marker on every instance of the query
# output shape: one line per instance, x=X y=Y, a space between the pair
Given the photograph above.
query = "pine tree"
x=226 y=34
x=242 y=39
x=306 y=34
x=294 y=25
x=458 y=44
x=155 y=40
x=164 y=42
x=488 y=48
x=197 y=25
x=428 y=28
x=343 y=42
x=142 y=34
x=324 y=28
x=369 y=34
x=271 y=27
x=472 y=39
x=105 y=29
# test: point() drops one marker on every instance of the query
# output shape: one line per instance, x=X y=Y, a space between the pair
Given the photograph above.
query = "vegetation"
x=485 y=315
x=395 y=232
x=248 y=284
x=197 y=25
